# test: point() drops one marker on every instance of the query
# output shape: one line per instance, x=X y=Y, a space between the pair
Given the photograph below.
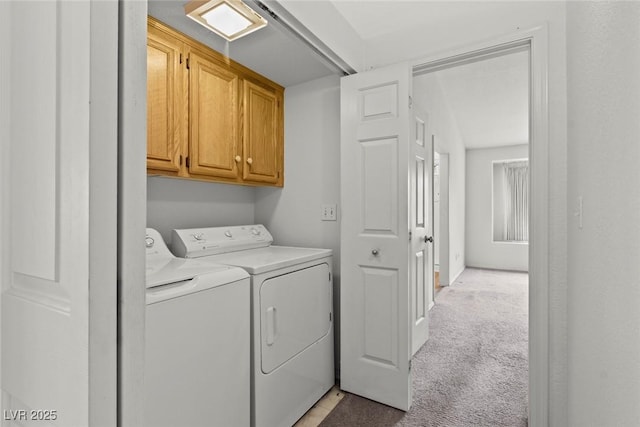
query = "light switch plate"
x=329 y=212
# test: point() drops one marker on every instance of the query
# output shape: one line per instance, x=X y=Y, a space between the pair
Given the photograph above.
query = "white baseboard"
x=514 y=270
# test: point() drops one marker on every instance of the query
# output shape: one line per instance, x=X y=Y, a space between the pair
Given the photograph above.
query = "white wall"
x=428 y=94
x=603 y=52
x=481 y=250
x=180 y=203
x=312 y=175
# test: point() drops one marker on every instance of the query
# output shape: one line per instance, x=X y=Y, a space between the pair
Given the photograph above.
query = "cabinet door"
x=164 y=89
x=262 y=140
x=214 y=148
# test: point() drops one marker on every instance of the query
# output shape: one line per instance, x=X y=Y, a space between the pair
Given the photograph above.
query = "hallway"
x=473 y=370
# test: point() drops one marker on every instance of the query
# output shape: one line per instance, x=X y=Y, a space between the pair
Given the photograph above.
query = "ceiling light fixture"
x=230 y=19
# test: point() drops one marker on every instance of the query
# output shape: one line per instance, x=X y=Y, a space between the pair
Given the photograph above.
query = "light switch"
x=329 y=212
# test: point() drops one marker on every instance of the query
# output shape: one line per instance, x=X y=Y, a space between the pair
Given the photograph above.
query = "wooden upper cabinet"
x=164 y=83
x=262 y=140
x=214 y=140
x=208 y=117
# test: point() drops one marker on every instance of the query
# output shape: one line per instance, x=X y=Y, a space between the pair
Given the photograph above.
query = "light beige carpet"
x=473 y=370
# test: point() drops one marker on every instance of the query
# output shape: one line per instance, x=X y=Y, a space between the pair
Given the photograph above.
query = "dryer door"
x=295 y=311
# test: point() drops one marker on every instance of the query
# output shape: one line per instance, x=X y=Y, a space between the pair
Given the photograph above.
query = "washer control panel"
x=198 y=242
x=155 y=246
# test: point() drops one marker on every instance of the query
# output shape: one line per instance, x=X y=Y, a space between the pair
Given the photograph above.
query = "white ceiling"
x=489 y=100
x=271 y=51
x=370 y=19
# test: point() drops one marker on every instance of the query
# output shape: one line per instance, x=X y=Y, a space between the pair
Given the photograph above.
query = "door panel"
x=59 y=101
x=380 y=190
x=421 y=219
x=379 y=287
x=214 y=137
x=419 y=303
x=375 y=323
x=419 y=177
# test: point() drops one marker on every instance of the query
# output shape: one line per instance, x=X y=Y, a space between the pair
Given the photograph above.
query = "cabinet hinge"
x=180 y=159
x=330 y=317
x=409 y=365
x=187 y=161
x=181 y=58
x=410 y=235
x=329 y=276
x=187 y=62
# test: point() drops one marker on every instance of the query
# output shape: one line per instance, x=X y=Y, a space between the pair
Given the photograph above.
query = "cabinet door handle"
x=238 y=158
x=249 y=160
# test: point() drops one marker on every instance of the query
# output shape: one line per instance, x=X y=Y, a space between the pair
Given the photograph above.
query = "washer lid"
x=164 y=271
x=262 y=260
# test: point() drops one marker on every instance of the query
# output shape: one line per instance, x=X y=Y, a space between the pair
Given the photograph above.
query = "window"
x=511 y=200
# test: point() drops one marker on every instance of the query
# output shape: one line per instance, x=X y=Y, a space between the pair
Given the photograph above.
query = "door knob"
x=250 y=160
x=428 y=239
x=238 y=158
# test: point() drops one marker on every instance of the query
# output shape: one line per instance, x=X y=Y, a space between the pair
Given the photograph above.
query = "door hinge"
x=410 y=235
x=330 y=317
x=409 y=365
x=329 y=276
x=186 y=161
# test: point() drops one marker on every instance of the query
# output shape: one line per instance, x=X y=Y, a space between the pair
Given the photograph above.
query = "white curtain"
x=516 y=201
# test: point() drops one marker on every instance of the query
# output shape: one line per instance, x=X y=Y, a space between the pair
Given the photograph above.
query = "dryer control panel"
x=199 y=242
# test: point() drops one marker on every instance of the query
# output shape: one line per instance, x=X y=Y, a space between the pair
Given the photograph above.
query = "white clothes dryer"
x=292 y=316
x=197 y=341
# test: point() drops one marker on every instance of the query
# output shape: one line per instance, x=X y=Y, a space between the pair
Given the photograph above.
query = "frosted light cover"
x=226 y=20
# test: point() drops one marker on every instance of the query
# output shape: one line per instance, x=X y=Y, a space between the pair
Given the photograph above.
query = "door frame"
x=537 y=41
x=132 y=202
x=443 y=238
x=132 y=209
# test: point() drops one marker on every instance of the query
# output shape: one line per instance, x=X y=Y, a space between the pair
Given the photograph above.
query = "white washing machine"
x=292 y=316
x=197 y=341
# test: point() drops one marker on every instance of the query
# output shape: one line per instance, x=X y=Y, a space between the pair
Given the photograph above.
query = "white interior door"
x=421 y=227
x=59 y=176
x=375 y=319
